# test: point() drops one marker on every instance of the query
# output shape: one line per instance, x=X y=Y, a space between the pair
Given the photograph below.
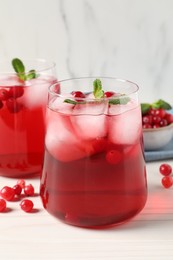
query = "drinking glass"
x=22 y=117
x=94 y=172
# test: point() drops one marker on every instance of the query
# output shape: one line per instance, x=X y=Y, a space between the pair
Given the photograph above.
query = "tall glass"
x=22 y=117
x=94 y=171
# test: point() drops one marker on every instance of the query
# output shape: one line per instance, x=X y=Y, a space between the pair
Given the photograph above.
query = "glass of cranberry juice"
x=94 y=172
x=22 y=118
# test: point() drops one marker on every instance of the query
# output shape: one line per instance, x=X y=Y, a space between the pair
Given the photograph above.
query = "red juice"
x=22 y=124
x=94 y=170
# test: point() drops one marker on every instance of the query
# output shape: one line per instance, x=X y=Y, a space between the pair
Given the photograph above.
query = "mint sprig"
x=73 y=102
x=145 y=107
x=119 y=101
x=98 y=91
x=20 y=70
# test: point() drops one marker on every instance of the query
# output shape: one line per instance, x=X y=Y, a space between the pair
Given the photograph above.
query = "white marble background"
x=131 y=39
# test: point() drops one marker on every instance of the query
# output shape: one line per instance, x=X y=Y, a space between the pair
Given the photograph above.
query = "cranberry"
x=26 y=205
x=13 y=106
x=21 y=182
x=145 y=126
x=169 y=118
x=29 y=190
x=16 y=91
x=3 y=205
x=78 y=94
x=156 y=119
x=165 y=169
x=109 y=94
x=113 y=157
x=17 y=189
x=147 y=119
x=156 y=126
x=153 y=112
x=163 y=122
x=160 y=112
x=167 y=181
x=7 y=193
x=99 y=144
x=4 y=94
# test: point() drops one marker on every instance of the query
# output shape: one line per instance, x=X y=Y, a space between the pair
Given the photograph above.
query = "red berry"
x=167 y=181
x=109 y=94
x=29 y=190
x=153 y=112
x=78 y=94
x=156 y=119
x=16 y=91
x=4 y=94
x=13 y=106
x=3 y=205
x=165 y=169
x=26 y=205
x=156 y=126
x=160 y=112
x=145 y=126
x=147 y=119
x=7 y=193
x=113 y=157
x=169 y=118
x=17 y=189
x=163 y=122
x=21 y=182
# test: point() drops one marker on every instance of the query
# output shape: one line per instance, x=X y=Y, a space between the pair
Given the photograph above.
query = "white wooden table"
x=40 y=236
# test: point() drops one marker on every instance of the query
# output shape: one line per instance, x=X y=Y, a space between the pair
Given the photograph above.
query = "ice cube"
x=57 y=103
x=89 y=120
x=61 y=141
x=125 y=128
x=36 y=92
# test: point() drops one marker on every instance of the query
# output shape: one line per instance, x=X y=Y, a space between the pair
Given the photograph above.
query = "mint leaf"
x=98 y=92
x=31 y=75
x=161 y=104
x=118 y=101
x=145 y=107
x=73 y=102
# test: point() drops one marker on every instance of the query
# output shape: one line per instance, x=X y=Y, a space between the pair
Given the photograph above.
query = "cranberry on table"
x=29 y=190
x=17 y=189
x=167 y=181
x=21 y=182
x=27 y=205
x=3 y=205
x=7 y=193
x=165 y=169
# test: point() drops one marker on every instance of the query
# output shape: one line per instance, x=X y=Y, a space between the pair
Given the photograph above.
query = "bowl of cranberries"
x=157 y=124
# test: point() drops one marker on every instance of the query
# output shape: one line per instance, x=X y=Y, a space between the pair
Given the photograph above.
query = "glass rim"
x=50 y=65
x=52 y=92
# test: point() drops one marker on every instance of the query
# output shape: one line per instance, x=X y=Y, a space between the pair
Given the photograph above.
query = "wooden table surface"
x=38 y=235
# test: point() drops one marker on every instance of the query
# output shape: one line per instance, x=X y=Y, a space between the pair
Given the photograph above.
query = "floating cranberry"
x=113 y=157
x=7 y=193
x=4 y=94
x=13 y=105
x=165 y=169
x=109 y=94
x=167 y=181
x=3 y=205
x=26 y=205
x=29 y=190
x=78 y=94
x=16 y=92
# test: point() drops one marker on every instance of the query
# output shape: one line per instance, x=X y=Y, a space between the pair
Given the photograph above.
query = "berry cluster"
x=10 y=193
x=166 y=170
x=9 y=98
x=156 y=118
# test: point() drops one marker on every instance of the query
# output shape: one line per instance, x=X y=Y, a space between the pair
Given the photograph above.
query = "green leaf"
x=161 y=104
x=118 y=101
x=73 y=102
x=145 y=107
x=31 y=75
x=19 y=68
x=98 y=92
